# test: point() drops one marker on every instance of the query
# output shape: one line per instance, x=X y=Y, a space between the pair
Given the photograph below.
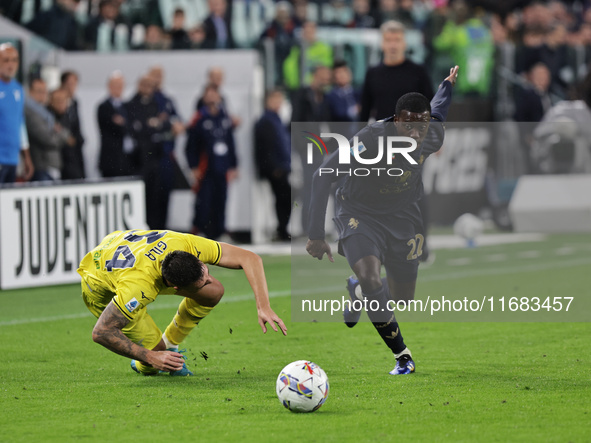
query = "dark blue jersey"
x=210 y=143
x=378 y=193
x=342 y=104
x=166 y=105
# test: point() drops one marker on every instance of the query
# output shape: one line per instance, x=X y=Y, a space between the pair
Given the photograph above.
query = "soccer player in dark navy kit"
x=212 y=157
x=378 y=216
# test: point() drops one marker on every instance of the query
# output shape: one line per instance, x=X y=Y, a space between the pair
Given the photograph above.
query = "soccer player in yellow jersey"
x=129 y=269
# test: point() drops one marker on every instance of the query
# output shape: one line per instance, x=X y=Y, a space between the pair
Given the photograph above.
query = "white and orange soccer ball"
x=302 y=386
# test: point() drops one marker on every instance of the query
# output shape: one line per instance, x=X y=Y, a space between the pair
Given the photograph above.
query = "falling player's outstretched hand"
x=268 y=316
x=317 y=249
x=453 y=75
x=167 y=361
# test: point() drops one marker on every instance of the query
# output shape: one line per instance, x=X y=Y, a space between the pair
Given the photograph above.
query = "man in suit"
x=169 y=115
x=116 y=144
x=72 y=156
x=148 y=131
x=218 y=32
x=46 y=137
x=309 y=105
x=273 y=159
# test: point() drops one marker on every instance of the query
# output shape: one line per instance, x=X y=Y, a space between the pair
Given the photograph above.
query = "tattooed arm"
x=108 y=332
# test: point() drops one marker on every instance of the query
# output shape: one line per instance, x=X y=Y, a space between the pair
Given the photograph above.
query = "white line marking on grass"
x=567 y=250
x=529 y=254
x=462 y=261
x=496 y=257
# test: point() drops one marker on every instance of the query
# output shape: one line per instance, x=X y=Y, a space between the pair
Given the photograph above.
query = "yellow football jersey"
x=126 y=266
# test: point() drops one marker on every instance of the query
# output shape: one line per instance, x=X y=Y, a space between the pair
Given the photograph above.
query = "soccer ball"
x=302 y=386
x=468 y=226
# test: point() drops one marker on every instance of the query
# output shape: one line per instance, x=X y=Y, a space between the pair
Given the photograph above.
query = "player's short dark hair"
x=413 y=102
x=181 y=268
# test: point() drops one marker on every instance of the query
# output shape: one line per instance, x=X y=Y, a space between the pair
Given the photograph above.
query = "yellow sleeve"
x=206 y=250
x=133 y=295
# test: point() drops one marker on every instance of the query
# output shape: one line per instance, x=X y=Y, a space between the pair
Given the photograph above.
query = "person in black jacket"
x=343 y=99
x=273 y=159
x=218 y=32
x=148 y=129
x=58 y=25
x=72 y=156
x=531 y=98
x=395 y=76
x=179 y=37
x=116 y=143
x=58 y=107
x=108 y=17
x=211 y=155
x=46 y=138
x=310 y=105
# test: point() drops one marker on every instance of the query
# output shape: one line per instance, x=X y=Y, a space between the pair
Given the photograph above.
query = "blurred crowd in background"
x=517 y=59
x=554 y=36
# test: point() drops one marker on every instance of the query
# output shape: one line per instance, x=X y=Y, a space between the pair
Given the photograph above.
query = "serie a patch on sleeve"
x=132 y=305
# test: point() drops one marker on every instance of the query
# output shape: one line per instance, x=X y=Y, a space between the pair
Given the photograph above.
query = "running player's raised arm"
x=442 y=99
x=439 y=109
x=234 y=257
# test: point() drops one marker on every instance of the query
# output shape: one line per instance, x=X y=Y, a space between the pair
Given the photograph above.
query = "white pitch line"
x=529 y=254
x=328 y=289
x=462 y=261
x=567 y=250
x=496 y=257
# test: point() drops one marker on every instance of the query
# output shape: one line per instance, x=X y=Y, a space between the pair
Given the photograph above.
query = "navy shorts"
x=396 y=241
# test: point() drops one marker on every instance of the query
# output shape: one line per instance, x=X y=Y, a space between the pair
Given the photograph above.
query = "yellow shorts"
x=142 y=330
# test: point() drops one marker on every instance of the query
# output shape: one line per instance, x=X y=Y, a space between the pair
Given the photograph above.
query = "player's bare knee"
x=367 y=271
x=369 y=281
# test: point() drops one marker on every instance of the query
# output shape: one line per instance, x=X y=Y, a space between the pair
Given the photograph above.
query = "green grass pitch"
x=475 y=381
